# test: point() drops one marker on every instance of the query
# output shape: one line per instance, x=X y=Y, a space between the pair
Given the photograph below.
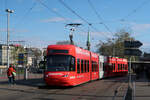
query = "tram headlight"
x=46 y=75
x=65 y=75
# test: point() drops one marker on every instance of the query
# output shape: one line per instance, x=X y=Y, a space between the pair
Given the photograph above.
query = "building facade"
x=3 y=54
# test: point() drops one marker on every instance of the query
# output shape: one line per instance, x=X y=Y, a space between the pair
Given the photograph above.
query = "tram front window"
x=60 y=63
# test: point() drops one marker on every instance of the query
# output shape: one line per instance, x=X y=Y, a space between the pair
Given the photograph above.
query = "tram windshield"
x=60 y=63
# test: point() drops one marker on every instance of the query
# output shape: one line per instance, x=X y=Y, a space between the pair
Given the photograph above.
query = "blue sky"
x=42 y=22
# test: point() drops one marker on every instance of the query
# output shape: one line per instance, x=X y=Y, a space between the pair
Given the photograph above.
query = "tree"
x=114 y=46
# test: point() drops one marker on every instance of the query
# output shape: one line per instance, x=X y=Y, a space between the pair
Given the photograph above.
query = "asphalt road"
x=34 y=89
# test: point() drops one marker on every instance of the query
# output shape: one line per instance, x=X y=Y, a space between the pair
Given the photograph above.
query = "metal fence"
x=22 y=73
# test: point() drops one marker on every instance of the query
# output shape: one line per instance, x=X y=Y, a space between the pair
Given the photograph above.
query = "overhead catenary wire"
x=53 y=11
x=49 y=9
x=22 y=19
x=136 y=9
x=70 y=9
x=26 y=14
x=99 y=16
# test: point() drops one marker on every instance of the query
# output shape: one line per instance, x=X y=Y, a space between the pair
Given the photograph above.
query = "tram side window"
x=72 y=64
x=85 y=65
x=78 y=65
x=126 y=67
x=88 y=65
x=92 y=66
x=122 y=66
x=104 y=66
x=96 y=67
x=81 y=66
x=113 y=66
x=118 y=67
x=95 y=64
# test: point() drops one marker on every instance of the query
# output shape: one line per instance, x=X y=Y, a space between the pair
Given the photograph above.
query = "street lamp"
x=8 y=12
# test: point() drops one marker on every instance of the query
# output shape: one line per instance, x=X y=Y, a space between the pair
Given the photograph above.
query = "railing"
x=22 y=73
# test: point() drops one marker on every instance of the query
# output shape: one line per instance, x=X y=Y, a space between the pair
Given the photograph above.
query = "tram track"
x=102 y=92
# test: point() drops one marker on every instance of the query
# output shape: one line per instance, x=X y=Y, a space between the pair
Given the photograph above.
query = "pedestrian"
x=11 y=73
x=14 y=74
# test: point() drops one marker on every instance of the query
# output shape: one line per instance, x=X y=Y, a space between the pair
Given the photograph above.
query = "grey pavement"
x=142 y=89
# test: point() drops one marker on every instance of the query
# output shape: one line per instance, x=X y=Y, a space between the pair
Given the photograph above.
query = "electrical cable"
x=98 y=15
x=53 y=11
x=66 y=6
x=25 y=15
x=136 y=9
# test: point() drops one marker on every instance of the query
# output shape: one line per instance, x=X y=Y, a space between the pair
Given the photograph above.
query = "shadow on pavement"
x=53 y=87
x=30 y=82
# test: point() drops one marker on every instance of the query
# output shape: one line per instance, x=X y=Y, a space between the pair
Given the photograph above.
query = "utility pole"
x=114 y=47
x=88 y=39
x=8 y=12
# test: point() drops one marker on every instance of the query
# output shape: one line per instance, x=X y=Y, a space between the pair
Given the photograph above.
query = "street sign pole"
x=131 y=49
x=130 y=71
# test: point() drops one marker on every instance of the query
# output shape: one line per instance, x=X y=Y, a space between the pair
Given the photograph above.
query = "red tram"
x=68 y=65
x=115 y=66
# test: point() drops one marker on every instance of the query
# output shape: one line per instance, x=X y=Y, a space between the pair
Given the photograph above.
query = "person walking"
x=11 y=73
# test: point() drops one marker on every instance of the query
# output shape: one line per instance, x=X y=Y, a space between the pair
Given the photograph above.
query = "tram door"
x=101 y=65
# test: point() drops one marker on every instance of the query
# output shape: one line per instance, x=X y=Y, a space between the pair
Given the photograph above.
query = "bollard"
x=128 y=95
x=115 y=93
x=25 y=73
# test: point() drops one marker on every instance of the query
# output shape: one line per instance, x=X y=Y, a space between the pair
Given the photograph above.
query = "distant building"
x=33 y=56
x=3 y=54
x=146 y=57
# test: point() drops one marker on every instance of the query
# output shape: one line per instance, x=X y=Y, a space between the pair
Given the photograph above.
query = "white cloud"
x=97 y=34
x=55 y=19
x=14 y=30
x=146 y=44
x=77 y=21
x=55 y=9
x=36 y=42
x=140 y=27
x=3 y=30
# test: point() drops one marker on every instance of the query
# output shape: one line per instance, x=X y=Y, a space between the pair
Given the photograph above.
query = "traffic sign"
x=132 y=44
x=133 y=52
x=131 y=48
x=21 y=59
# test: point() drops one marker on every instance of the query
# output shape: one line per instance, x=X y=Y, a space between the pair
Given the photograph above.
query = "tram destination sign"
x=132 y=48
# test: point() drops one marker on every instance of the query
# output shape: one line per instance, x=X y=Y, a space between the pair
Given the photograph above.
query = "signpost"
x=21 y=59
x=135 y=52
x=131 y=48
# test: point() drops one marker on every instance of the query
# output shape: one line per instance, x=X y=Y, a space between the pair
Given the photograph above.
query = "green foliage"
x=115 y=46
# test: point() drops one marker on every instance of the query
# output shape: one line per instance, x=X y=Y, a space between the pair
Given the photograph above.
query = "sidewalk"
x=33 y=80
x=142 y=89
